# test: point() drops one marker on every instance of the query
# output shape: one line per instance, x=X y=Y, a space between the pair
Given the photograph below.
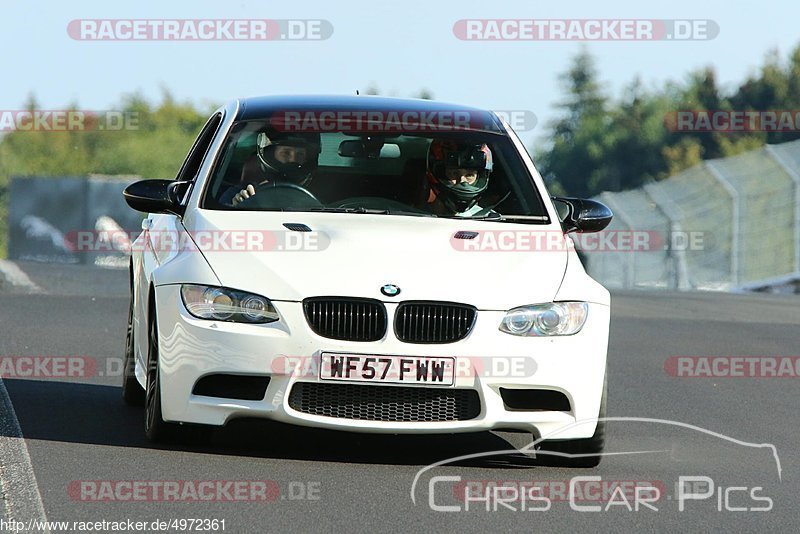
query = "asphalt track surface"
x=78 y=429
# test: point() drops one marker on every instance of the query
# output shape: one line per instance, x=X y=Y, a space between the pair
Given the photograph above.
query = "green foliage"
x=603 y=145
x=153 y=144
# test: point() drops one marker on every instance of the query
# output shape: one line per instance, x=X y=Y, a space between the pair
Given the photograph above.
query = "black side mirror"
x=584 y=215
x=156 y=196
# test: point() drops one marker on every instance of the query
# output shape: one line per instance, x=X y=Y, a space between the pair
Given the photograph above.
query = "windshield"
x=474 y=174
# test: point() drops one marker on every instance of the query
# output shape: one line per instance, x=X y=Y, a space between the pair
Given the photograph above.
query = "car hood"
x=357 y=254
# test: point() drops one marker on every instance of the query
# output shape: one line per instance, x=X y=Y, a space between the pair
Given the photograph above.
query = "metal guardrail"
x=47 y=215
x=726 y=224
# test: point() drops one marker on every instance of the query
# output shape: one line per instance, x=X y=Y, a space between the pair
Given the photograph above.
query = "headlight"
x=552 y=319
x=222 y=304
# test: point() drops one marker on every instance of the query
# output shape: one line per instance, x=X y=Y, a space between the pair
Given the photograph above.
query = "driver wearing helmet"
x=279 y=158
x=457 y=175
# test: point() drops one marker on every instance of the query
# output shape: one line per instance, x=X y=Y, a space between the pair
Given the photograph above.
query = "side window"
x=194 y=160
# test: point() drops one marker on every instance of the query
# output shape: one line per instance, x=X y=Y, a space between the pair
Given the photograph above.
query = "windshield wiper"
x=525 y=219
x=349 y=210
x=369 y=211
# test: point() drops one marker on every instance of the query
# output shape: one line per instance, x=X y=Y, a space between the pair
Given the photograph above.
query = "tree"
x=153 y=147
x=774 y=89
x=636 y=138
x=603 y=145
x=574 y=162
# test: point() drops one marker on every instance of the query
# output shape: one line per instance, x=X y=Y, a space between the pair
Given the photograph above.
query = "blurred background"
x=602 y=115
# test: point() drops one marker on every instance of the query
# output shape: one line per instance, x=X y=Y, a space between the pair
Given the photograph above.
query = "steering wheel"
x=253 y=201
x=288 y=185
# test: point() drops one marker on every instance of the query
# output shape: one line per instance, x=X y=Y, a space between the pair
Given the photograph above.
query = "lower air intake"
x=534 y=400
x=232 y=387
x=385 y=403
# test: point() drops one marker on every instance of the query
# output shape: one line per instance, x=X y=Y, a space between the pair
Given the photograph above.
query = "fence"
x=727 y=224
x=45 y=213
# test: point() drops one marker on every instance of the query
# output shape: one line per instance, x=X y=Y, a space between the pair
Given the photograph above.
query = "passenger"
x=457 y=176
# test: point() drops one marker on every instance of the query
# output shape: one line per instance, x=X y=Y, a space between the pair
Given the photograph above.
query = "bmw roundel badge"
x=390 y=290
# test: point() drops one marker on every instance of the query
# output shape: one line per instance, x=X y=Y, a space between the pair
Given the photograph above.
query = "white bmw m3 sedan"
x=365 y=264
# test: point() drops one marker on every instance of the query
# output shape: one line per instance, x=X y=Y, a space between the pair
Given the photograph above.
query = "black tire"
x=132 y=392
x=155 y=428
x=589 y=449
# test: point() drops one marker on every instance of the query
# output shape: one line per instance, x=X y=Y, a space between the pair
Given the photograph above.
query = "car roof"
x=263 y=107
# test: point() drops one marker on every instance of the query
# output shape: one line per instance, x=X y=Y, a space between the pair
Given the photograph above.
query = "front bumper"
x=288 y=351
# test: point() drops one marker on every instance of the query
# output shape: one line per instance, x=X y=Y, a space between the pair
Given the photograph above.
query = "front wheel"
x=132 y=392
x=155 y=428
x=585 y=452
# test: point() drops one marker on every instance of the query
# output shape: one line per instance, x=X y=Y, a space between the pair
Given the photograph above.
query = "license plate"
x=387 y=369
